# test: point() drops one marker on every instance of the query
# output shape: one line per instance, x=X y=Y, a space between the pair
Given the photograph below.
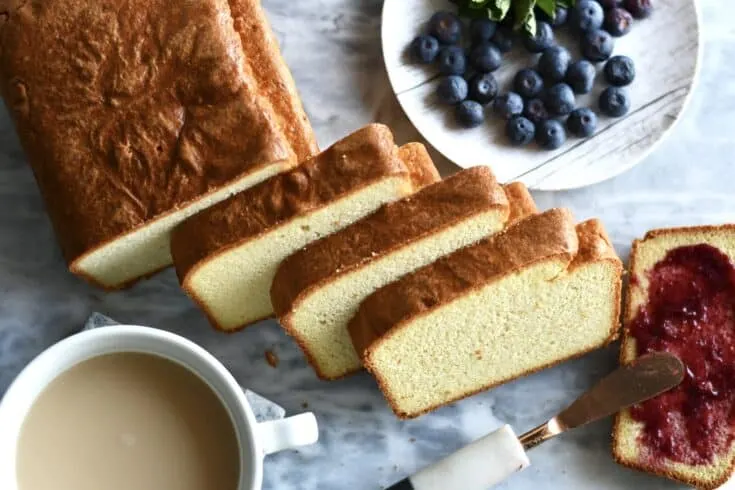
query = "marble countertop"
x=333 y=49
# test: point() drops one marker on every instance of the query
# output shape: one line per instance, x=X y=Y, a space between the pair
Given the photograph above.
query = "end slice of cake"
x=681 y=300
x=136 y=115
x=317 y=290
x=227 y=255
x=540 y=292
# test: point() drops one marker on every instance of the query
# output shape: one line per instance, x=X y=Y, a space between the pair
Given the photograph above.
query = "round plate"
x=665 y=48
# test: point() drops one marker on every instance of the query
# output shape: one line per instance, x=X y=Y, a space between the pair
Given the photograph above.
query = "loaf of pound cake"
x=226 y=256
x=318 y=290
x=682 y=300
x=135 y=115
x=540 y=292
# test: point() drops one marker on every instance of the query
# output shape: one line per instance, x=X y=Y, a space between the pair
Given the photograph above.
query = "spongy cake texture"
x=226 y=256
x=645 y=254
x=134 y=115
x=540 y=292
x=319 y=288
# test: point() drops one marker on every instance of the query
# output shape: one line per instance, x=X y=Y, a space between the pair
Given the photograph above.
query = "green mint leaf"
x=530 y=25
x=524 y=16
x=548 y=6
x=495 y=10
x=498 y=9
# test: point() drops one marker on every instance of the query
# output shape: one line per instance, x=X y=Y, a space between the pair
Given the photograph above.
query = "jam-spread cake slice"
x=682 y=300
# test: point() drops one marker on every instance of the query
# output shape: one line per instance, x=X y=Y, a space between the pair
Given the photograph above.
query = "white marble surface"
x=334 y=51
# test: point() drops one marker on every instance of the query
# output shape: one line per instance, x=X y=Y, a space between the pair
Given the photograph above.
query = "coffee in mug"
x=126 y=421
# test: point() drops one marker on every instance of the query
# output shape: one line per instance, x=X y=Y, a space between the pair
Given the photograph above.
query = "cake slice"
x=317 y=290
x=540 y=292
x=136 y=115
x=681 y=299
x=226 y=256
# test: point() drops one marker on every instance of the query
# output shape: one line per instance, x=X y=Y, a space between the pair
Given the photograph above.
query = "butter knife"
x=493 y=458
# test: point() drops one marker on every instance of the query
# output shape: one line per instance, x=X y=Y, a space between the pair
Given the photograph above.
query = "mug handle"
x=288 y=433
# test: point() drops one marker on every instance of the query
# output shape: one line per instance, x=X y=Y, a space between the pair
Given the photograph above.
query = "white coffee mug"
x=256 y=440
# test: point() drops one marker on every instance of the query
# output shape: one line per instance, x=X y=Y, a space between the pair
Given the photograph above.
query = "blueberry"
x=581 y=76
x=619 y=71
x=528 y=83
x=445 y=27
x=482 y=30
x=452 y=60
x=535 y=111
x=614 y=102
x=503 y=39
x=483 y=88
x=587 y=15
x=550 y=134
x=610 y=4
x=618 y=22
x=425 y=49
x=543 y=39
x=560 y=99
x=470 y=114
x=508 y=105
x=553 y=63
x=485 y=58
x=640 y=9
x=520 y=130
x=452 y=89
x=560 y=16
x=582 y=122
x=597 y=45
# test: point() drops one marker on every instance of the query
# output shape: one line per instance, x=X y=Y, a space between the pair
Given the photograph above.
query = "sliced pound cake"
x=136 y=115
x=681 y=299
x=226 y=256
x=538 y=293
x=317 y=290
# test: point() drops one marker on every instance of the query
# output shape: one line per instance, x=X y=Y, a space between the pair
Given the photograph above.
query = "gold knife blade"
x=642 y=379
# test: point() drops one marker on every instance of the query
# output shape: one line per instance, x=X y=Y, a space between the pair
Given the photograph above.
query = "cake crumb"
x=271 y=358
x=478 y=355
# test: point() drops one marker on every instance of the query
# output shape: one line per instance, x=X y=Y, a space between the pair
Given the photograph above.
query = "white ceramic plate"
x=665 y=48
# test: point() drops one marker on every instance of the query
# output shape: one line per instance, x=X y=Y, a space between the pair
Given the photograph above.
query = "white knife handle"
x=478 y=466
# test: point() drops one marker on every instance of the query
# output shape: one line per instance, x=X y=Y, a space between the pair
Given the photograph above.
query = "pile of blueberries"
x=542 y=96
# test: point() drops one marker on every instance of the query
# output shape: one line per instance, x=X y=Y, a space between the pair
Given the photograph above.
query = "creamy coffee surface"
x=128 y=421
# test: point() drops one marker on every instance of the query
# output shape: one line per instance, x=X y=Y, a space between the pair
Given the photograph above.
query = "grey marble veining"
x=333 y=49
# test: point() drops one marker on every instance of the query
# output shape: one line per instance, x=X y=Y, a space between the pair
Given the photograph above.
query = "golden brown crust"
x=144 y=110
x=419 y=163
x=541 y=236
x=628 y=314
x=521 y=202
x=595 y=246
x=274 y=79
x=357 y=160
x=665 y=473
x=594 y=243
x=393 y=226
x=686 y=230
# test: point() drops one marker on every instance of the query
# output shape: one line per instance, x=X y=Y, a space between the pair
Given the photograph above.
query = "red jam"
x=691 y=313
